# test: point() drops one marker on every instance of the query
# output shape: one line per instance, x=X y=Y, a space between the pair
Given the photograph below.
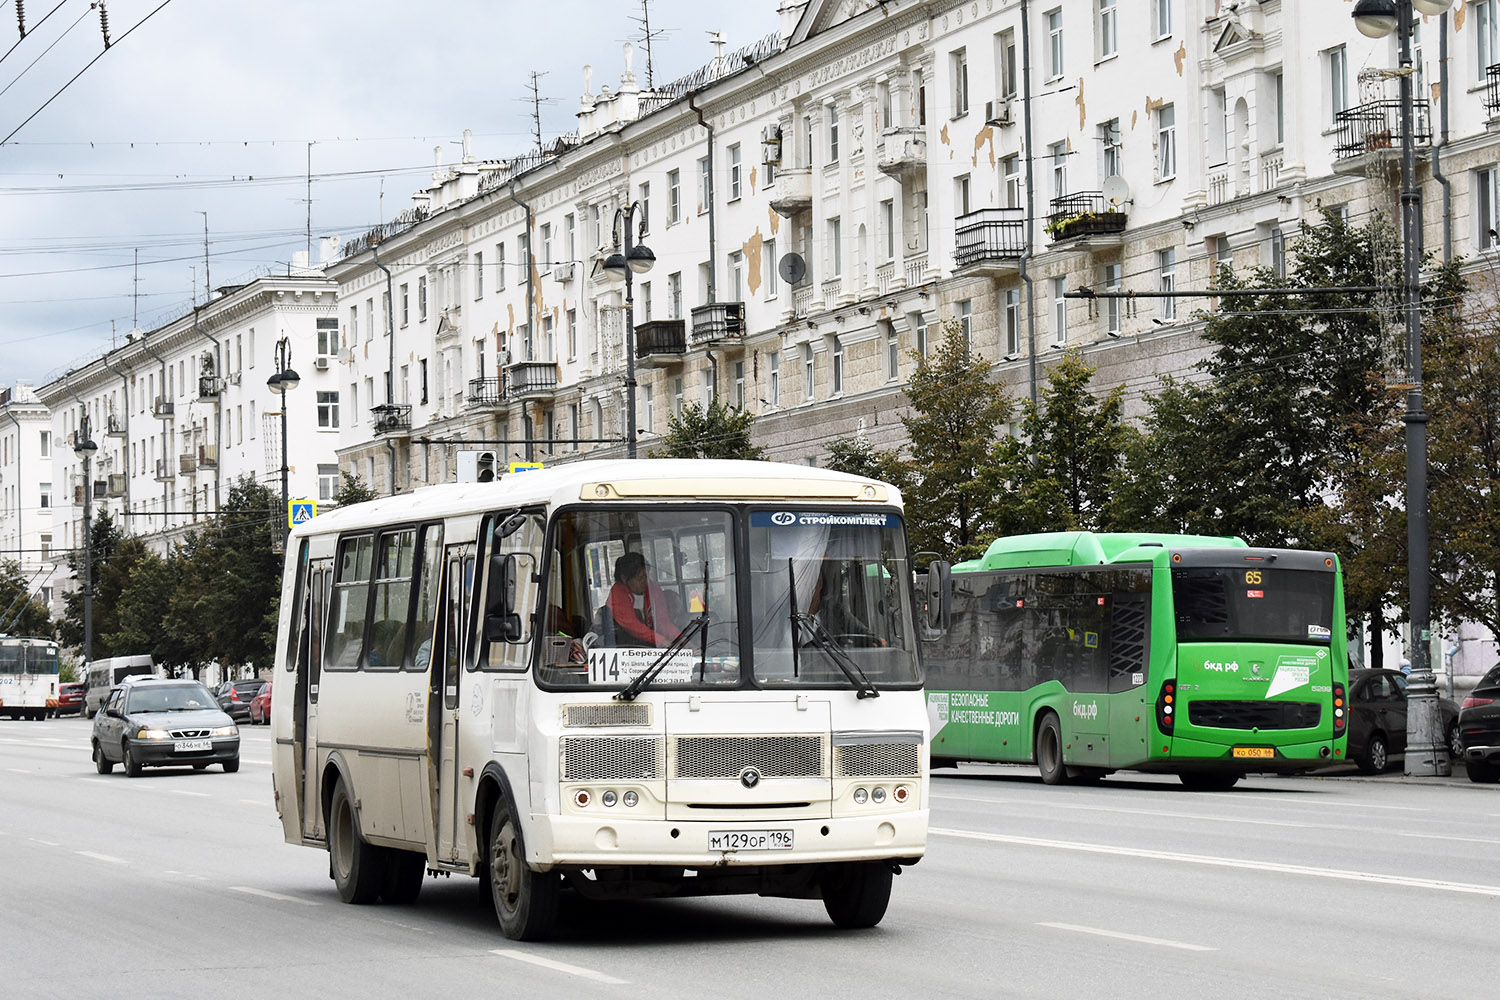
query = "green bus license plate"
x=750 y=840
x=1254 y=752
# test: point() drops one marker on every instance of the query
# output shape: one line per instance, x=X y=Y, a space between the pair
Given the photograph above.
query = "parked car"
x=1479 y=729
x=153 y=722
x=260 y=707
x=70 y=698
x=1377 y=719
x=234 y=697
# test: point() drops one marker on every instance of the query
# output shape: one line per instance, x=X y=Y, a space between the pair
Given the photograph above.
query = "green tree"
x=142 y=626
x=20 y=612
x=352 y=489
x=112 y=556
x=956 y=475
x=858 y=457
x=1067 y=473
x=714 y=431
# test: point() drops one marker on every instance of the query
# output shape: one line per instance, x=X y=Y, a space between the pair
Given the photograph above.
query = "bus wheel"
x=1198 y=781
x=525 y=900
x=132 y=766
x=1049 y=755
x=358 y=868
x=1376 y=757
x=404 y=872
x=102 y=764
x=1482 y=772
x=856 y=893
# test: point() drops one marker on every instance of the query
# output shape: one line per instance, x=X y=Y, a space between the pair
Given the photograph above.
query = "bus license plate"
x=1254 y=752
x=750 y=840
x=190 y=745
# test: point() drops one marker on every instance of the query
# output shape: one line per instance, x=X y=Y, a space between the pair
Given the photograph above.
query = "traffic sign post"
x=300 y=512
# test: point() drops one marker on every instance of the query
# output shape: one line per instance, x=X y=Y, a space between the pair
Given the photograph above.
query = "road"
x=178 y=884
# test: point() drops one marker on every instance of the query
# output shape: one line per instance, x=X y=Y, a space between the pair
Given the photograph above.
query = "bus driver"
x=639 y=608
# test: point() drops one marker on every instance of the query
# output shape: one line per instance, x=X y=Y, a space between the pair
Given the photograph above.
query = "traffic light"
x=477 y=466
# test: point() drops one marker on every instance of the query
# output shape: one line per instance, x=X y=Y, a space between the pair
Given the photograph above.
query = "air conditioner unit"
x=321 y=362
x=234 y=378
x=770 y=143
x=116 y=485
x=998 y=112
x=563 y=271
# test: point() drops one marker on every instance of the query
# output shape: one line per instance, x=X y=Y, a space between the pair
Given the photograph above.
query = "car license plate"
x=1254 y=752
x=750 y=840
x=190 y=745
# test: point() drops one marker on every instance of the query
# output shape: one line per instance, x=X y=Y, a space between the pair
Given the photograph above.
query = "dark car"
x=260 y=707
x=153 y=722
x=70 y=698
x=234 y=697
x=1377 y=719
x=1479 y=729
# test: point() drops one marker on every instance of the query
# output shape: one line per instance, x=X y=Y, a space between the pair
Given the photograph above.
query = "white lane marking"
x=184 y=791
x=18 y=770
x=100 y=781
x=1465 y=840
x=272 y=895
x=45 y=843
x=1204 y=859
x=254 y=802
x=102 y=857
x=547 y=963
x=1137 y=938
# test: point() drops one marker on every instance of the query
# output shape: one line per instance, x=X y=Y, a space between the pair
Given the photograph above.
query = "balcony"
x=916 y=270
x=392 y=418
x=1086 y=218
x=793 y=192
x=163 y=409
x=208 y=456
x=660 y=342
x=164 y=473
x=209 y=387
x=486 y=392
x=718 y=321
x=802 y=300
x=113 y=426
x=187 y=464
x=903 y=152
x=990 y=241
x=1492 y=89
x=115 y=486
x=531 y=380
x=1374 y=130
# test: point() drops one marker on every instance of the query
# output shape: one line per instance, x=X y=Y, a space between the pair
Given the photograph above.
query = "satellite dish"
x=1116 y=191
x=792 y=268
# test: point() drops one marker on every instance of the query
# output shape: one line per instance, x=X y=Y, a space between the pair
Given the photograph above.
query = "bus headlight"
x=860 y=796
x=609 y=798
x=878 y=795
x=630 y=799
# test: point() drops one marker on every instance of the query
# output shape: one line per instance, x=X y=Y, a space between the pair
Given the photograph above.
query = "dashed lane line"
x=268 y=894
x=102 y=857
x=555 y=966
x=1120 y=935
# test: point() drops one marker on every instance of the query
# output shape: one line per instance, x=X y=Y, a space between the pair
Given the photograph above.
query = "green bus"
x=1087 y=653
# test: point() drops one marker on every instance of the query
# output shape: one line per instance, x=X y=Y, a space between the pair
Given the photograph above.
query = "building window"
x=1012 y=300
x=892 y=353
x=1005 y=58
x=674 y=197
x=1109 y=29
x=46 y=495
x=1109 y=142
x=809 y=381
x=1054 y=43
x=737 y=277
x=478 y=275
x=888 y=228
x=644 y=298
x=1279 y=87
x=328 y=410
x=1010 y=169
x=734 y=172
x=966 y=323
x=961 y=195
x=1163 y=20
x=1486 y=218
x=1060 y=310
x=703 y=185
x=422 y=299
x=773 y=382
x=499 y=267
x=833 y=134
x=44 y=445
x=1112 y=278
x=959 y=63
x=838 y=366
x=1278 y=252
x=677 y=396
x=739 y=385
x=1336 y=64
x=572 y=334
x=1058 y=154
x=1166 y=263
x=1166 y=142
x=1223 y=255
x=46 y=543
x=644 y=198
x=422 y=381
x=773 y=276
x=919 y=330
x=835 y=248
x=649 y=417
x=369 y=322
x=328 y=482
x=546 y=263
x=674 y=294
x=570 y=227
x=1483 y=15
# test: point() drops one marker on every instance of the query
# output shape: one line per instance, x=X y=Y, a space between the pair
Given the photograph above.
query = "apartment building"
x=181 y=411
x=27 y=495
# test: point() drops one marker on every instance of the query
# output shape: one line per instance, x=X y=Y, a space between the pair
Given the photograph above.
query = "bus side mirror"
x=939 y=598
x=501 y=622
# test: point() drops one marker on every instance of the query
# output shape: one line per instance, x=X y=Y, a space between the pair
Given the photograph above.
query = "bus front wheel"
x=1049 y=751
x=525 y=900
x=1200 y=781
x=856 y=893
x=357 y=867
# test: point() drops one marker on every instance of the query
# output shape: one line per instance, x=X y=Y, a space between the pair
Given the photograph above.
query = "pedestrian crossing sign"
x=300 y=512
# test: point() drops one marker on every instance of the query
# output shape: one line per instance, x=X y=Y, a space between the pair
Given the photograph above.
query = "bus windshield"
x=1269 y=605
x=829 y=598
x=28 y=656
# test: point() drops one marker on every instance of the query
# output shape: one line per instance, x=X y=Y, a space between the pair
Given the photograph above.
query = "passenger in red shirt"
x=650 y=624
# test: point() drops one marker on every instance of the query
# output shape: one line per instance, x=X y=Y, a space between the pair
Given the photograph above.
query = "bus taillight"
x=1166 y=705
x=1340 y=713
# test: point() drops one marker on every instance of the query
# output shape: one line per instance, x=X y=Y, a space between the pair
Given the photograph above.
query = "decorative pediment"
x=821 y=15
x=1233 y=35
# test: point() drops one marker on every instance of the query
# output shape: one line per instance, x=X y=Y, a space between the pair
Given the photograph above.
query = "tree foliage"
x=20 y=611
x=713 y=431
x=352 y=489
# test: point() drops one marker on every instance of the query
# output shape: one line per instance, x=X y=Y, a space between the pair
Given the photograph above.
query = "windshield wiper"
x=821 y=637
x=635 y=687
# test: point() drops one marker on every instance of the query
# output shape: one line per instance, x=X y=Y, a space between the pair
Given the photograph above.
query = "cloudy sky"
x=209 y=106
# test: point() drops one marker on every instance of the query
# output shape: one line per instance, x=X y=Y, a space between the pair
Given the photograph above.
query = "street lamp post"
x=636 y=259
x=85 y=448
x=282 y=382
x=1426 y=750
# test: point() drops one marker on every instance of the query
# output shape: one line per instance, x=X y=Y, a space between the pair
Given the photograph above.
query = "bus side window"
x=296 y=646
x=351 y=599
x=516 y=543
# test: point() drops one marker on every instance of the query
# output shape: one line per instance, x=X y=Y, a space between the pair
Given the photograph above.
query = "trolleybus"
x=608 y=678
x=29 y=676
x=1091 y=653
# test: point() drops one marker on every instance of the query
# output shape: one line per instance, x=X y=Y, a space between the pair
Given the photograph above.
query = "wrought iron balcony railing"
x=1374 y=127
x=989 y=235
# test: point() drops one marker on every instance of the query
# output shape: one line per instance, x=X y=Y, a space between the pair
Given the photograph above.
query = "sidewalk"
x=1397 y=773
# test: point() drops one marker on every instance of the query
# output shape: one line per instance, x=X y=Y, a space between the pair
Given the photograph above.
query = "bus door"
x=305 y=709
x=446 y=697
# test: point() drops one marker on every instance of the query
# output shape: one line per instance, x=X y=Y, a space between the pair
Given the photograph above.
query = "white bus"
x=29 y=674
x=479 y=679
